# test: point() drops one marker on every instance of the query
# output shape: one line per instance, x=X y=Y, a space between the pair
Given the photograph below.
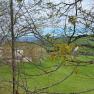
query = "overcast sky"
x=85 y=3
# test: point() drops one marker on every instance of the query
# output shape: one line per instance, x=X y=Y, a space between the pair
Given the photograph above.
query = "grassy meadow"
x=48 y=76
x=35 y=78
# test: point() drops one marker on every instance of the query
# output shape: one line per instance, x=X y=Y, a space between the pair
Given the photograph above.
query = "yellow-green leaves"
x=50 y=5
x=88 y=23
x=61 y=52
x=64 y=49
x=49 y=37
x=1 y=12
x=19 y=1
x=72 y=19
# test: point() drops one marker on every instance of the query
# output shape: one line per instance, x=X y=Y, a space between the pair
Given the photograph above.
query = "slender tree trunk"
x=76 y=12
x=13 y=47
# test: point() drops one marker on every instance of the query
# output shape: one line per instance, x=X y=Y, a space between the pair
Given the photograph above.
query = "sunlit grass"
x=82 y=79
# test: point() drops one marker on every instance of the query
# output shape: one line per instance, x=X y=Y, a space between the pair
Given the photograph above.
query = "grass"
x=81 y=80
x=85 y=58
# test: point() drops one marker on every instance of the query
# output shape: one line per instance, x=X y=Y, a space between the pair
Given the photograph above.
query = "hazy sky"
x=85 y=3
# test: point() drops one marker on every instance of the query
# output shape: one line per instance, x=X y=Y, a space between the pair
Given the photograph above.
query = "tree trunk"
x=13 y=47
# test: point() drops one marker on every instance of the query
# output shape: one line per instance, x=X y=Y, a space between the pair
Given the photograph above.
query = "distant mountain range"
x=30 y=38
x=27 y=39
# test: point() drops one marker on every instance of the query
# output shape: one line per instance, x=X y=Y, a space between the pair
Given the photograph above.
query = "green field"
x=69 y=78
x=37 y=77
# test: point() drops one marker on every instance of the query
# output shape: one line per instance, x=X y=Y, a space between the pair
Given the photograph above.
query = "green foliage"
x=64 y=49
x=49 y=37
x=61 y=51
x=88 y=23
x=72 y=19
x=1 y=12
x=19 y=1
x=50 y=5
